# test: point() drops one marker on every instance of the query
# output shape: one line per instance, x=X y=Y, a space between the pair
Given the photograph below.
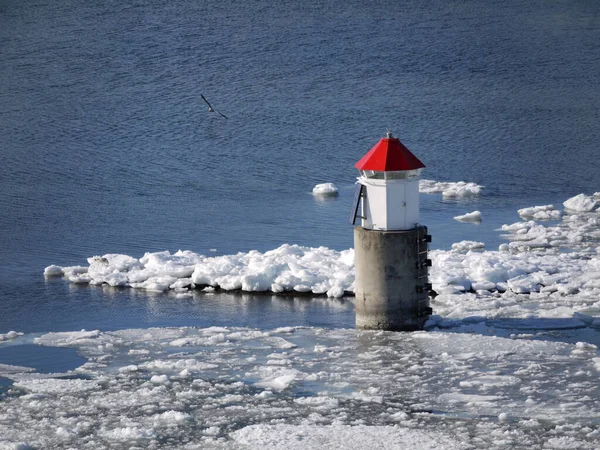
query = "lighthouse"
x=391 y=284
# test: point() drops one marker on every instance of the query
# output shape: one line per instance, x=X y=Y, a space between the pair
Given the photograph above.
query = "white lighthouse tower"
x=390 y=175
x=391 y=286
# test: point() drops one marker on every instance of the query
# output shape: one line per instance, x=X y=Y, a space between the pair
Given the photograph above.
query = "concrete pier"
x=391 y=287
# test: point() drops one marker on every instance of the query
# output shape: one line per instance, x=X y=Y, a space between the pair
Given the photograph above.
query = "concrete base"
x=391 y=277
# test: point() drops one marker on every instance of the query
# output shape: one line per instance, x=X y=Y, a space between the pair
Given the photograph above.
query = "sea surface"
x=107 y=147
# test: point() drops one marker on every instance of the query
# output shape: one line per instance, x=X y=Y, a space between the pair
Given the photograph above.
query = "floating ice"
x=458 y=189
x=58 y=386
x=506 y=284
x=474 y=216
x=282 y=380
x=351 y=390
x=526 y=277
x=287 y=268
x=576 y=232
x=67 y=339
x=10 y=336
x=545 y=212
x=53 y=271
x=299 y=387
x=465 y=246
x=582 y=203
x=7 y=369
x=357 y=437
x=325 y=189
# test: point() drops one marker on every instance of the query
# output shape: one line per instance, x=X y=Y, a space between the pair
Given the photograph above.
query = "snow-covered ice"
x=530 y=275
x=474 y=216
x=326 y=389
x=465 y=246
x=545 y=212
x=325 y=189
x=460 y=189
x=287 y=268
x=512 y=343
x=352 y=437
x=10 y=336
x=582 y=202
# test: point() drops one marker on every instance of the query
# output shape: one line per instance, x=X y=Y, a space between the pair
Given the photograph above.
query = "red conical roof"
x=388 y=155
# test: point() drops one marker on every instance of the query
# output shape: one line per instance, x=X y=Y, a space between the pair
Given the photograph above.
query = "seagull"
x=210 y=108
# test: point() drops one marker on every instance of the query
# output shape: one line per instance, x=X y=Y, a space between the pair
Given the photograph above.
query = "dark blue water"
x=106 y=146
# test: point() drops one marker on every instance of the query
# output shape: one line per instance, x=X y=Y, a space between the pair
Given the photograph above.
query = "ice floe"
x=474 y=216
x=575 y=232
x=352 y=437
x=545 y=212
x=331 y=388
x=583 y=203
x=294 y=387
x=531 y=275
x=287 y=268
x=465 y=246
x=325 y=189
x=10 y=336
x=460 y=189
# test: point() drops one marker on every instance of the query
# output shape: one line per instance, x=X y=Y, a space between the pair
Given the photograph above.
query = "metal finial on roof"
x=388 y=134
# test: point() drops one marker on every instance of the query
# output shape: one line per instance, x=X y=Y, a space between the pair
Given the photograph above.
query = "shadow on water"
x=74 y=307
x=62 y=306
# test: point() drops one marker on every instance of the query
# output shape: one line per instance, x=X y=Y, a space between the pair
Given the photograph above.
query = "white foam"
x=4 y=445
x=311 y=387
x=325 y=189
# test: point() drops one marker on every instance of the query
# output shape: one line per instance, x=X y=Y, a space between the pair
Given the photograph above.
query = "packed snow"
x=474 y=216
x=325 y=189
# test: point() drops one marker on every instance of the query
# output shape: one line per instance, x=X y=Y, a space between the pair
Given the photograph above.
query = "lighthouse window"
x=396 y=175
x=374 y=174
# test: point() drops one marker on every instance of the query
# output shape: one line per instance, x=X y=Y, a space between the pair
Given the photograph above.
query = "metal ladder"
x=423 y=263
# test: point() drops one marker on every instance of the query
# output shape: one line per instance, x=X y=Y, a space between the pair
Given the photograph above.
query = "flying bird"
x=210 y=108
